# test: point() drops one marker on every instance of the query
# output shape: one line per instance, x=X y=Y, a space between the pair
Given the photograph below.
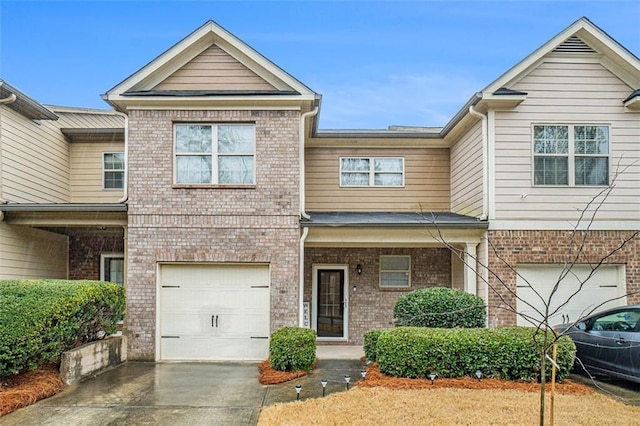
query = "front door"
x=330 y=303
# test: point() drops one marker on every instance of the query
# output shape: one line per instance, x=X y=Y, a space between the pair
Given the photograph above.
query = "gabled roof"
x=142 y=83
x=24 y=104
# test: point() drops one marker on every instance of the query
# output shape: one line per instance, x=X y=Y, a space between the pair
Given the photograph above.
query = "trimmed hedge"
x=40 y=319
x=370 y=343
x=292 y=349
x=439 y=307
x=506 y=353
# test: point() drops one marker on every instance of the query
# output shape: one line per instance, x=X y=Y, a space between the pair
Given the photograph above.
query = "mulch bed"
x=376 y=378
x=28 y=388
x=269 y=376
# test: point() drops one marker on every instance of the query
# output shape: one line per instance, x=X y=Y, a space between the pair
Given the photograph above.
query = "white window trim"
x=214 y=155
x=371 y=172
x=571 y=156
x=104 y=171
x=380 y=272
x=104 y=256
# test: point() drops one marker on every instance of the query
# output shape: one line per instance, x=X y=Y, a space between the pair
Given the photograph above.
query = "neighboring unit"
x=212 y=195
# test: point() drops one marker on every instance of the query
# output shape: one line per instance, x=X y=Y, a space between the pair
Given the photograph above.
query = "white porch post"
x=470 y=279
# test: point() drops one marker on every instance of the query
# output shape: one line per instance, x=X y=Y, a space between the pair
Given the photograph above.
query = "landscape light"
x=346 y=379
x=298 y=389
x=479 y=375
x=363 y=373
x=432 y=376
x=323 y=382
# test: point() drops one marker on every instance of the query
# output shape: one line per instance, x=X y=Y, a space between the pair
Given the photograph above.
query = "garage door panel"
x=606 y=284
x=219 y=312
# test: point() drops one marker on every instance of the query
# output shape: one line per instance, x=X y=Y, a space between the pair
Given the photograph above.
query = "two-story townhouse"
x=243 y=216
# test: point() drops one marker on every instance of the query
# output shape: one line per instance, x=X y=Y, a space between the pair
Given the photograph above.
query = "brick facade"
x=370 y=307
x=176 y=224
x=85 y=251
x=511 y=248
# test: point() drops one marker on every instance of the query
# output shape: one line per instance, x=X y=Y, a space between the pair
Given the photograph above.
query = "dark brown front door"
x=330 y=303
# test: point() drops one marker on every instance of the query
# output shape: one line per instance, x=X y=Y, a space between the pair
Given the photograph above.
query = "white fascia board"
x=390 y=237
x=563 y=225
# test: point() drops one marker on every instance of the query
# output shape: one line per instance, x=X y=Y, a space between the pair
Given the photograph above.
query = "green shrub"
x=370 y=343
x=511 y=353
x=292 y=349
x=40 y=319
x=439 y=307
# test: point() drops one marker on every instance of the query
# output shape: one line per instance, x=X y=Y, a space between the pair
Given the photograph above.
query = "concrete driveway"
x=177 y=394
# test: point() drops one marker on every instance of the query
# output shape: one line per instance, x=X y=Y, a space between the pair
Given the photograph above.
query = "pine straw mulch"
x=28 y=388
x=377 y=379
x=269 y=376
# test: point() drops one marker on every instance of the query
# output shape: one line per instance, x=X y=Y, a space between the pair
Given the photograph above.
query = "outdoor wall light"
x=363 y=373
x=347 y=379
x=323 y=382
x=432 y=376
x=359 y=269
x=479 y=375
x=298 y=389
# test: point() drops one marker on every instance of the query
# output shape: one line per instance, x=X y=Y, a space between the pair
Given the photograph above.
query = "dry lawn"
x=383 y=406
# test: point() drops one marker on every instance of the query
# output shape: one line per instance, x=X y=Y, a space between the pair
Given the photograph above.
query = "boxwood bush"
x=510 y=353
x=292 y=349
x=40 y=319
x=439 y=307
x=370 y=343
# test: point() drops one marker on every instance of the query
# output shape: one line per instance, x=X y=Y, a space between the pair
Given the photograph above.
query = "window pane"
x=551 y=171
x=193 y=138
x=592 y=171
x=114 y=270
x=236 y=139
x=114 y=161
x=551 y=139
x=388 y=164
x=235 y=169
x=113 y=180
x=193 y=169
x=354 y=164
x=354 y=179
x=394 y=279
x=388 y=179
x=592 y=139
x=396 y=263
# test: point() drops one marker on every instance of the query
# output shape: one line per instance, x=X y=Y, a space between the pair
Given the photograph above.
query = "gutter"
x=485 y=161
x=125 y=195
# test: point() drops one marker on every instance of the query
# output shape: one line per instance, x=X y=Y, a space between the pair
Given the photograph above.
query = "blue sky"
x=375 y=63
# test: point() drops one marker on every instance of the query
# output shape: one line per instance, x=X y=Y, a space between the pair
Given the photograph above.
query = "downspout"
x=125 y=195
x=303 y=214
x=5 y=101
x=485 y=162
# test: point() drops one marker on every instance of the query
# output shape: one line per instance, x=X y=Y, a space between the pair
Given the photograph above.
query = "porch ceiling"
x=65 y=215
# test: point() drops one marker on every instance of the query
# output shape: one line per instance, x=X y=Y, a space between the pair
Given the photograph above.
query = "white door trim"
x=314 y=301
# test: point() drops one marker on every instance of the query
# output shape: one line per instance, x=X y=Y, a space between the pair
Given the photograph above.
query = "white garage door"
x=607 y=283
x=214 y=312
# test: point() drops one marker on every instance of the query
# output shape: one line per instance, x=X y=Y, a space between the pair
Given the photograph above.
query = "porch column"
x=470 y=279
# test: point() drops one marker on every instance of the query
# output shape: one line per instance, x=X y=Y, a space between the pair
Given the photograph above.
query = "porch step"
x=339 y=352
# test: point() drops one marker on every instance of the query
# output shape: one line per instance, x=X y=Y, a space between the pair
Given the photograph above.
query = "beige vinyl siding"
x=35 y=160
x=87 y=173
x=426 y=181
x=87 y=118
x=576 y=92
x=32 y=253
x=214 y=69
x=466 y=173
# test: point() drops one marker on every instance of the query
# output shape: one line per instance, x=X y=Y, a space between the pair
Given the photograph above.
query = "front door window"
x=330 y=303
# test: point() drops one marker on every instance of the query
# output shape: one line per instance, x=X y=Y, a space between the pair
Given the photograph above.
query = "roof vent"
x=574 y=45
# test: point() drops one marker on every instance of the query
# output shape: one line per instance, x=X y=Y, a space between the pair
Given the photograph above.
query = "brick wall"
x=172 y=224
x=85 y=251
x=369 y=306
x=511 y=248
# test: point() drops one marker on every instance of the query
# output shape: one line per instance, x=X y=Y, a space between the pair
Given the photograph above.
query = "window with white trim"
x=571 y=155
x=372 y=171
x=215 y=154
x=113 y=170
x=395 y=271
x=112 y=267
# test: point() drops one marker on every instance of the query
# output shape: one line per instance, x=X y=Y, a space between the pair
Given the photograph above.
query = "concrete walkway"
x=137 y=393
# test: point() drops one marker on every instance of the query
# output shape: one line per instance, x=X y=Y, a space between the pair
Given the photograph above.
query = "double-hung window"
x=572 y=155
x=215 y=154
x=113 y=170
x=372 y=171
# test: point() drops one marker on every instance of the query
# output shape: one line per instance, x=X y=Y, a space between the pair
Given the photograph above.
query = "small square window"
x=395 y=272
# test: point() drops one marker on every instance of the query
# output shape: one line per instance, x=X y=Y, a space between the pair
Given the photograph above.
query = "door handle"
x=212 y=320
x=216 y=321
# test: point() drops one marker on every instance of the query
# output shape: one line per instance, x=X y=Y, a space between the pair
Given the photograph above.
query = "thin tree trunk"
x=553 y=382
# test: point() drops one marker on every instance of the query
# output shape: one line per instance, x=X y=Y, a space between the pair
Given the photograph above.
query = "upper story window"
x=395 y=271
x=113 y=170
x=573 y=155
x=215 y=154
x=372 y=171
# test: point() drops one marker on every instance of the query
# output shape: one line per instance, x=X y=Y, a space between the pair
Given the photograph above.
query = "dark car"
x=608 y=342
